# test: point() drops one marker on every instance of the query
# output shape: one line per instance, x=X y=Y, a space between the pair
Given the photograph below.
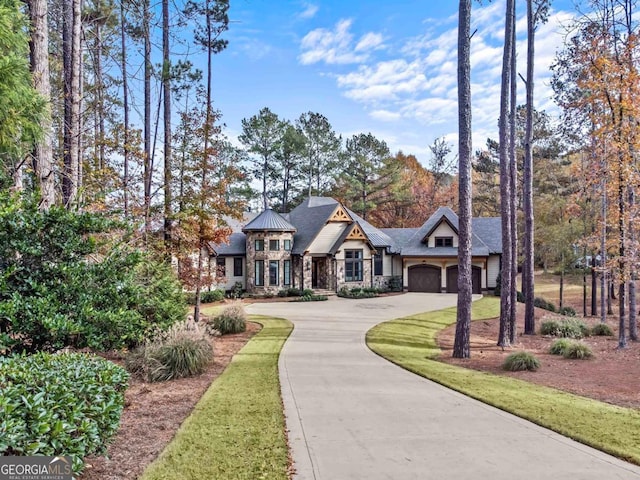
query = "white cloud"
x=309 y=11
x=337 y=46
x=385 y=115
x=369 y=41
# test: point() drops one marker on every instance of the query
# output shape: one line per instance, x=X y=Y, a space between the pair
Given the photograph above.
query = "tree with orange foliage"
x=597 y=83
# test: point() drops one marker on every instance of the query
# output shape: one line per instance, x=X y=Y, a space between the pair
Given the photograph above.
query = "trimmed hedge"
x=311 y=298
x=206 y=297
x=68 y=404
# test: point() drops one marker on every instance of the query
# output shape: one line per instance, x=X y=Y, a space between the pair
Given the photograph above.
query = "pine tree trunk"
x=168 y=153
x=43 y=158
x=622 y=337
x=461 y=347
x=513 y=174
x=71 y=63
x=633 y=323
x=528 y=253
x=603 y=253
x=505 y=181
x=594 y=288
x=148 y=170
x=125 y=105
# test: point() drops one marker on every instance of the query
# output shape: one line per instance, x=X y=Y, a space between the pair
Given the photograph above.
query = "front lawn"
x=411 y=343
x=237 y=429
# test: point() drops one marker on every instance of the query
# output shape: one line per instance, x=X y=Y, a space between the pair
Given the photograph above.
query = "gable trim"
x=444 y=218
x=340 y=215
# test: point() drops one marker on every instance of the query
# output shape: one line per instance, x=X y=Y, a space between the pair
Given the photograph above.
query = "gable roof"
x=415 y=246
x=489 y=229
x=310 y=217
x=269 y=221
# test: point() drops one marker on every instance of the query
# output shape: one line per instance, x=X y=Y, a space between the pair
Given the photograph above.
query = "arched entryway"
x=452 y=279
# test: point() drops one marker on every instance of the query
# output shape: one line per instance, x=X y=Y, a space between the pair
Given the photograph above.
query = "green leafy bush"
x=519 y=361
x=395 y=284
x=567 y=328
x=182 y=351
x=236 y=292
x=311 y=298
x=542 y=303
x=550 y=327
x=64 y=282
x=206 y=297
x=283 y=293
x=559 y=346
x=307 y=292
x=358 y=292
x=578 y=350
x=66 y=404
x=602 y=330
x=232 y=319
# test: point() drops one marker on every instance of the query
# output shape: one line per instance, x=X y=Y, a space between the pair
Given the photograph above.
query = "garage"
x=424 y=278
x=452 y=279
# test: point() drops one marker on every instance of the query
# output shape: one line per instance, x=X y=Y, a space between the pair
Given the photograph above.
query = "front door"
x=318 y=273
x=314 y=273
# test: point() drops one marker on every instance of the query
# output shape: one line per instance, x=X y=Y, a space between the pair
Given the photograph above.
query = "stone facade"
x=268 y=255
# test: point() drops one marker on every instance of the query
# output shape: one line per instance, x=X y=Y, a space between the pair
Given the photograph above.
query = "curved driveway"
x=353 y=415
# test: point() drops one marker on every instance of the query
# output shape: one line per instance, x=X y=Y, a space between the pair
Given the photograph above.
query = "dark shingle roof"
x=309 y=217
x=489 y=229
x=415 y=246
x=269 y=221
x=399 y=237
x=377 y=237
x=237 y=246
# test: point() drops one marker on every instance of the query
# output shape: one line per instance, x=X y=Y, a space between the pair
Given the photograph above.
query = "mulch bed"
x=154 y=411
x=610 y=376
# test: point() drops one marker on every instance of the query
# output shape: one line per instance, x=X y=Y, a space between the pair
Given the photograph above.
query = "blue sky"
x=383 y=67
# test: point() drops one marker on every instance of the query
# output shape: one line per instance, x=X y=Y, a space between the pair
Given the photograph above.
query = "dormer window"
x=444 y=241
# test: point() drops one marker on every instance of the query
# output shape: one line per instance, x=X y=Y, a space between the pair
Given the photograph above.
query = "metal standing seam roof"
x=270 y=221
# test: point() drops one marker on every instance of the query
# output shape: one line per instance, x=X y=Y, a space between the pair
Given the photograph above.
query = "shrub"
x=550 y=327
x=311 y=298
x=567 y=328
x=283 y=293
x=64 y=282
x=236 y=291
x=233 y=319
x=559 y=346
x=578 y=350
x=358 y=292
x=542 y=303
x=567 y=311
x=183 y=351
x=66 y=404
x=520 y=361
x=395 y=284
x=212 y=296
x=293 y=292
x=602 y=329
x=307 y=292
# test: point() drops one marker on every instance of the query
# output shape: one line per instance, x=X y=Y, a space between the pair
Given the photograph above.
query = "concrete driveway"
x=353 y=415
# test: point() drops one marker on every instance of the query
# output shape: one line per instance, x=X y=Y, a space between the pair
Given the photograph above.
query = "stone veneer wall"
x=366 y=275
x=267 y=255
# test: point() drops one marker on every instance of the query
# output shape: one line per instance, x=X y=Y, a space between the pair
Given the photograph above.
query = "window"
x=237 y=267
x=259 y=273
x=377 y=264
x=444 y=241
x=353 y=265
x=287 y=245
x=274 y=245
x=259 y=244
x=221 y=267
x=286 y=266
x=273 y=272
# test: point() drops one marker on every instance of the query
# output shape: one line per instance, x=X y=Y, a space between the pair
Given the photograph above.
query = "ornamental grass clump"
x=521 y=361
x=182 y=351
x=559 y=346
x=566 y=328
x=233 y=319
x=578 y=351
x=602 y=330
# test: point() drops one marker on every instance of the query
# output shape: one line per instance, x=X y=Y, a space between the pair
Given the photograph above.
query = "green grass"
x=212 y=310
x=237 y=429
x=411 y=343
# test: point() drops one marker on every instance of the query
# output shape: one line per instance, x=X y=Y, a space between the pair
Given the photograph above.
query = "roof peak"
x=269 y=220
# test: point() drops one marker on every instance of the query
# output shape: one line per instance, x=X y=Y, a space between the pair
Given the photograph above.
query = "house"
x=323 y=245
